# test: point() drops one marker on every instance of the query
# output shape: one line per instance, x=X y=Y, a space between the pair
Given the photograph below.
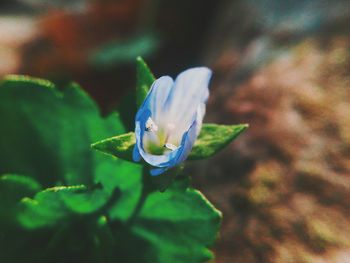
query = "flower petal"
x=151 y=107
x=136 y=156
x=200 y=116
x=178 y=109
x=190 y=90
x=157 y=171
x=155 y=160
x=157 y=96
x=187 y=142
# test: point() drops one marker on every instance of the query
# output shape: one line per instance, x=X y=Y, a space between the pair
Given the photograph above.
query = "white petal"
x=190 y=91
x=158 y=95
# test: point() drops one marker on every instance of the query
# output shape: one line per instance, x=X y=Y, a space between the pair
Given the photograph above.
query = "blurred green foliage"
x=61 y=201
x=118 y=52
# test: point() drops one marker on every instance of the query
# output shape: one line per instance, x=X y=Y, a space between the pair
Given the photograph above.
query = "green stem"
x=147 y=188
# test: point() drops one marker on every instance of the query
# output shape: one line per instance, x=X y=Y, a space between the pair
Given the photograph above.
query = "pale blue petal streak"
x=189 y=91
x=152 y=107
x=157 y=96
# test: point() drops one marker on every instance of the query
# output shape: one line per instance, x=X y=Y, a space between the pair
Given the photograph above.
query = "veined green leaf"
x=213 y=138
x=120 y=146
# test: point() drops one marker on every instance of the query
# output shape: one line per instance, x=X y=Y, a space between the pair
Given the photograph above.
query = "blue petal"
x=181 y=104
x=157 y=96
x=157 y=171
x=152 y=107
x=189 y=91
x=136 y=156
x=187 y=143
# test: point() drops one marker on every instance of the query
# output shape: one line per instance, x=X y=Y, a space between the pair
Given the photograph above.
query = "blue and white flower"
x=170 y=119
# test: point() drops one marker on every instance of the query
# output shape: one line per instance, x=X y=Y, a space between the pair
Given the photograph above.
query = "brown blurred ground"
x=284 y=186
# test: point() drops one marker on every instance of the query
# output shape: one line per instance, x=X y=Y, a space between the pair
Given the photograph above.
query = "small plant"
x=62 y=201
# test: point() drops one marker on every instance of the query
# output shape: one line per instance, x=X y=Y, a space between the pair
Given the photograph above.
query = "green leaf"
x=144 y=80
x=46 y=208
x=175 y=226
x=47 y=135
x=120 y=146
x=213 y=138
x=128 y=180
x=18 y=185
x=12 y=189
x=127 y=107
x=54 y=205
x=118 y=52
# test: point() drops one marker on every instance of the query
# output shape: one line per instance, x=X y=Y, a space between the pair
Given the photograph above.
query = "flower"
x=170 y=118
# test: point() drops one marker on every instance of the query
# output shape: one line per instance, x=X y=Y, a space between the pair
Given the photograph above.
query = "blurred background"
x=281 y=66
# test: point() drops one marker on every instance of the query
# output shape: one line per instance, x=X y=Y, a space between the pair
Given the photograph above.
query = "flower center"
x=156 y=139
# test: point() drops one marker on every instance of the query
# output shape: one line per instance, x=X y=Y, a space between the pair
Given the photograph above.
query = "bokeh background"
x=281 y=66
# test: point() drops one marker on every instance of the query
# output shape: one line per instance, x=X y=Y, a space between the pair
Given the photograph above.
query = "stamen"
x=150 y=125
x=170 y=146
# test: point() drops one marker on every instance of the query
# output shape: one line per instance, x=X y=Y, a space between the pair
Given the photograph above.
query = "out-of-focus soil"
x=284 y=186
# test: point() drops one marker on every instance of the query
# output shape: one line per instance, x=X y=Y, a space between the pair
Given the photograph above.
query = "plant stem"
x=147 y=188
